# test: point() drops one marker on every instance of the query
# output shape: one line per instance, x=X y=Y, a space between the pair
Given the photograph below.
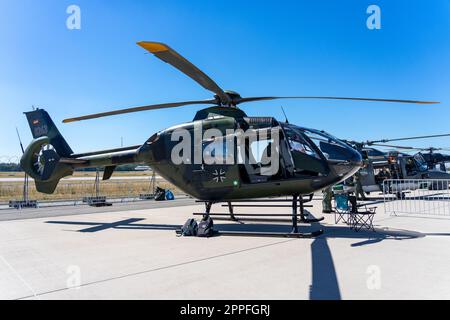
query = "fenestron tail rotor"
x=221 y=97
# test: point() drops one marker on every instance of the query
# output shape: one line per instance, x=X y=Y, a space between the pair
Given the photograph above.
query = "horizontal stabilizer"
x=108 y=172
x=47 y=186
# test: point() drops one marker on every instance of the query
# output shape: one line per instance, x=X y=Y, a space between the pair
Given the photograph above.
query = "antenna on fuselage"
x=20 y=141
x=287 y=121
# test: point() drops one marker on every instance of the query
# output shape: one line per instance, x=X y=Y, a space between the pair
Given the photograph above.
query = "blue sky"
x=253 y=47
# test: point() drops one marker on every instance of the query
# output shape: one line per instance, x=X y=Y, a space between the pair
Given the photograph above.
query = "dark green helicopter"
x=308 y=159
x=436 y=160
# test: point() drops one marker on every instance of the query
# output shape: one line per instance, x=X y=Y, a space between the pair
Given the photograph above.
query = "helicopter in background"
x=434 y=160
x=381 y=165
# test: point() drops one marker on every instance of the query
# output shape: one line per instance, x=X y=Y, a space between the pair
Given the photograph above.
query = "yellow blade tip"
x=153 y=47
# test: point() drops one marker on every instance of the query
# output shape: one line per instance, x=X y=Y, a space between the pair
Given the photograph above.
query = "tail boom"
x=49 y=158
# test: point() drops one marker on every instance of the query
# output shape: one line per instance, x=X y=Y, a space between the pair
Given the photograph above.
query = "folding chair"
x=342 y=210
x=363 y=219
x=347 y=210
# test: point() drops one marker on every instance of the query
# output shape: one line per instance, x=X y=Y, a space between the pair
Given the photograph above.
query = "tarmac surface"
x=131 y=251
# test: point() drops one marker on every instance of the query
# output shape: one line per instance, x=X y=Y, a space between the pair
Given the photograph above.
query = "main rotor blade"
x=137 y=109
x=167 y=54
x=251 y=99
x=396 y=147
x=407 y=138
x=432 y=149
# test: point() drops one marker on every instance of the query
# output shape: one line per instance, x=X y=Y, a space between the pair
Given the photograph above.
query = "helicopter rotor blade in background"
x=170 y=56
x=252 y=99
x=407 y=138
x=432 y=149
x=396 y=147
x=137 y=109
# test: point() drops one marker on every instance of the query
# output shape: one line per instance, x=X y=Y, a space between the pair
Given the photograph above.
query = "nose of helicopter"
x=354 y=162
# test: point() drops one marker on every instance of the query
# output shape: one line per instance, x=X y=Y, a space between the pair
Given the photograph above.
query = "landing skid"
x=271 y=234
x=295 y=218
x=239 y=217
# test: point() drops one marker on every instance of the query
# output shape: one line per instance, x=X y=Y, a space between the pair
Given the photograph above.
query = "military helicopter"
x=435 y=161
x=380 y=165
x=272 y=158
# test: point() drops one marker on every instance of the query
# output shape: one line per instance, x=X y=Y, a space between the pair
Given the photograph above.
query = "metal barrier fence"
x=421 y=196
x=73 y=192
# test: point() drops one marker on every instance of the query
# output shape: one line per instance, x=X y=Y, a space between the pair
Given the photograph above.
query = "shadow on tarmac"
x=324 y=284
x=122 y=224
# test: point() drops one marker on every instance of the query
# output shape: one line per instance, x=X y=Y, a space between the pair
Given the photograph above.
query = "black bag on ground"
x=206 y=228
x=189 y=228
x=160 y=194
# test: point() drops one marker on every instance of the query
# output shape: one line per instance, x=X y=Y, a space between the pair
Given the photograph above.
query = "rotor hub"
x=233 y=99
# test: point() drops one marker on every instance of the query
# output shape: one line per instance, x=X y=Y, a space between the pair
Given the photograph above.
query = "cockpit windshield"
x=420 y=161
x=331 y=147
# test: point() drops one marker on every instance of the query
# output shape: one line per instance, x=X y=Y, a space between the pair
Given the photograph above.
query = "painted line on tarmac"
x=24 y=282
x=162 y=268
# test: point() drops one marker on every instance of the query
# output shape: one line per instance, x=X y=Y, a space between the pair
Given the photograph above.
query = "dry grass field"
x=78 y=174
x=71 y=190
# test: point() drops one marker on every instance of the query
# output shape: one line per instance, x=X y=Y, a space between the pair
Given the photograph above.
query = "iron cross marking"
x=219 y=176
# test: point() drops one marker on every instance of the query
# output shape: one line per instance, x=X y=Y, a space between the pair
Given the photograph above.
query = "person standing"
x=359 y=191
x=326 y=202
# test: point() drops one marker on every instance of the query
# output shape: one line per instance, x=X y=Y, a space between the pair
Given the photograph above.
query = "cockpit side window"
x=332 y=148
x=420 y=162
x=305 y=156
x=298 y=143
